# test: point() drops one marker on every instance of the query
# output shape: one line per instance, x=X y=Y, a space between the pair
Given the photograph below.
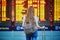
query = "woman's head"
x=30 y=11
x=30 y=14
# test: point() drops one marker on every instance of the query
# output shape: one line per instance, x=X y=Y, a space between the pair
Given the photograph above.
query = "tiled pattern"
x=19 y=35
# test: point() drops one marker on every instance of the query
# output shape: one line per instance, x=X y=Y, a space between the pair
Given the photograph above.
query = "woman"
x=29 y=18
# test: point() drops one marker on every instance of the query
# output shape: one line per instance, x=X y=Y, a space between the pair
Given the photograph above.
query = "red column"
x=0 y=10
x=51 y=14
x=37 y=7
x=12 y=18
x=45 y=9
x=39 y=10
x=25 y=5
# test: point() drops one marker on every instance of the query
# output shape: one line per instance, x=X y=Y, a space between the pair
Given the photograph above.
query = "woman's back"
x=29 y=28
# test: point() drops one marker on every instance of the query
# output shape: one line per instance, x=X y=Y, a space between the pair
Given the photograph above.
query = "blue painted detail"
x=57 y=27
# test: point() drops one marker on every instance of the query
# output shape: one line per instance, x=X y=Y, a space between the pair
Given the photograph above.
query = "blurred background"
x=12 y=12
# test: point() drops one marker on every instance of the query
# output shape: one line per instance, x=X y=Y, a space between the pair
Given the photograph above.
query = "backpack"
x=30 y=28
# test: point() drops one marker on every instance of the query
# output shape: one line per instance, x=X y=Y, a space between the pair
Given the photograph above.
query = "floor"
x=19 y=35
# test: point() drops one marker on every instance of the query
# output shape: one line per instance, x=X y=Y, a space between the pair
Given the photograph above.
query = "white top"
x=35 y=19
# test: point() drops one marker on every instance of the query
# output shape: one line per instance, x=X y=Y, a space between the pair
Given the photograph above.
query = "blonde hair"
x=30 y=15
